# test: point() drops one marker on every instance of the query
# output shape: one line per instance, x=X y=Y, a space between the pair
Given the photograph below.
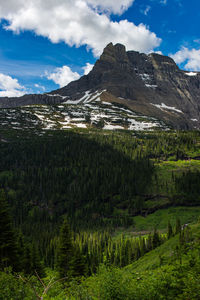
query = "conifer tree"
x=155 y=239
x=8 y=242
x=27 y=260
x=65 y=251
x=169 y=230
x=137 y=252
x=79 y=265
x=21 y=250
x=149 y=243
x=143 y=247
x=36 y=264
x=178 y=225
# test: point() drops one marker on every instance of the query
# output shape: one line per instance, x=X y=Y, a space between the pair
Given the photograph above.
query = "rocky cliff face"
x=152 y=85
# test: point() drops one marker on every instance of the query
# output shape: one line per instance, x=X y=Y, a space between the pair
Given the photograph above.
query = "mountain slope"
x=151 y=85
x=98 y=114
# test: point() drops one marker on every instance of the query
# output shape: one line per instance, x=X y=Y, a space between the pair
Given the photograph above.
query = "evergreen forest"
x=92 y=214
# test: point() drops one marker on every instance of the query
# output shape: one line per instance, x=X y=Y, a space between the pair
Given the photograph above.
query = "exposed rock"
x=149 y=84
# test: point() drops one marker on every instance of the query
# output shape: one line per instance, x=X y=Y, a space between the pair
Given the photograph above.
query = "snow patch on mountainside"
x=153 y=86
x=57 y=95
x=87 y=112
x=86 y=98
x=191 y=74
x=165 y=107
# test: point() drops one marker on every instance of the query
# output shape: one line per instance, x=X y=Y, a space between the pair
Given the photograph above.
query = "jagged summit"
x=152 y=85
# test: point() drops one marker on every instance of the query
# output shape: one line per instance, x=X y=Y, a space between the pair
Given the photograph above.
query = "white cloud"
x=159 y=52
x=62 y=76
x=13 y=93
x=146 y=10
x=190 y=58
x=87 y=68
x=41 y=87
x=77 y=23
x=10 y=87
x=163 y=2
x=116 y=7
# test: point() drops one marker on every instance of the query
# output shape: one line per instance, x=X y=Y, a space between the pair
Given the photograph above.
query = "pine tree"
x=137 y=252
x=149 y=243
x=65 y=251
x=21 y=250
x=143 y=247
x=169 y=230
x=155 y=239
x=79 y=265
x=8 y=242
x=27 y=268
x=36 y=264
x=178 y=225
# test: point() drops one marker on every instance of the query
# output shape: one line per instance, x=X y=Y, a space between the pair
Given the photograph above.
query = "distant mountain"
x=149 y=85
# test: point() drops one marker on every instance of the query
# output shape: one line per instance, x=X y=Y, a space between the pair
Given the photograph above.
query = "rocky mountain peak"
x=151 y=85
x=114 y=53
x=163 y=62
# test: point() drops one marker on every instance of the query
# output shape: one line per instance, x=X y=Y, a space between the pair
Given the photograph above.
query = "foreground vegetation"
x=171 y=271
x=97 y=215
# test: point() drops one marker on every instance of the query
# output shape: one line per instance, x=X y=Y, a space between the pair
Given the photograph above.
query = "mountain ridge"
x=151 y=84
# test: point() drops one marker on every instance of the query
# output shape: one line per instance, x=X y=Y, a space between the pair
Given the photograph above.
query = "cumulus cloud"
x=78 y=22
x=87 y=68
x=10 y=87
x=190 y=58
x=62 y=76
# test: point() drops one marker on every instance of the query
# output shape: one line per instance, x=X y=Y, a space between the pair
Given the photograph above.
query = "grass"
x=160 y=218
x=151 y=260
x=179 y=165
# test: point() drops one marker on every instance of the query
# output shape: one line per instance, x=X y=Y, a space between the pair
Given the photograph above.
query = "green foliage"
x=178 y=226
x=8 y=242
x=65 y=251
x=72 y=174
x=19 y=287
x=70 y=260
x=176 y=279
x=169 y=230
x=35 y=262
x=160 y=218
x=12 y=288
x=100 y=181
x=188 y=187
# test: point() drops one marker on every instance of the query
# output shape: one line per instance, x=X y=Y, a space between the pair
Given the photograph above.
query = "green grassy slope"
x=168 y=272
x=160 y=218
x=165 y=252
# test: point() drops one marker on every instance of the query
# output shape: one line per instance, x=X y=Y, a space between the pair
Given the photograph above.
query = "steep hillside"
x=171 y=271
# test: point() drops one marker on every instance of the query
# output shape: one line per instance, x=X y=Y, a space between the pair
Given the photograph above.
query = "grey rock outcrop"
x=149 y=84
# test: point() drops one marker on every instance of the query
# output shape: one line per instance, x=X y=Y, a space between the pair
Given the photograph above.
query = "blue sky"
x=45 y=44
